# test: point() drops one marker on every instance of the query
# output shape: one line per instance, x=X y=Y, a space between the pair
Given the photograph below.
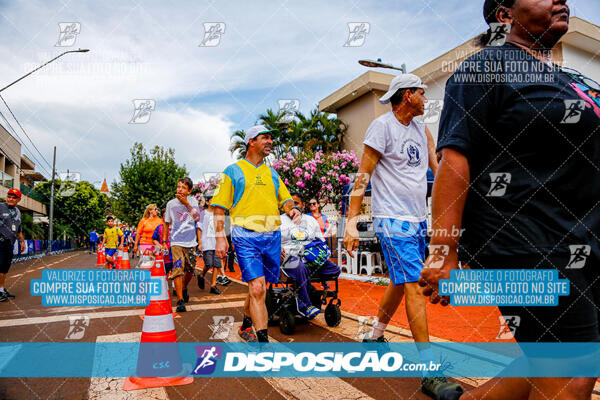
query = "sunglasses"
x=578 y=76
x=313 y=203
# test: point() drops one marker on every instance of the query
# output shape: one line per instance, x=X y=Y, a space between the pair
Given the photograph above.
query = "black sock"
x=262 y=336
x=247 y=322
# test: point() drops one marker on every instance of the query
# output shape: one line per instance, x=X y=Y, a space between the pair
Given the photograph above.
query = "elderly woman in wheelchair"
x=304 y=259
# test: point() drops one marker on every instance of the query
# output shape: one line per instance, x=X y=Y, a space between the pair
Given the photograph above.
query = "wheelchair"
x=282 y=307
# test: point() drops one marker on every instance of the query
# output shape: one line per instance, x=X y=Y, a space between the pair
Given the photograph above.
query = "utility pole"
x=51 y=222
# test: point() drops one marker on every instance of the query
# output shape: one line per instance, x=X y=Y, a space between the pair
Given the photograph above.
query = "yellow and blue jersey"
x=112 y=236
x=253 y=195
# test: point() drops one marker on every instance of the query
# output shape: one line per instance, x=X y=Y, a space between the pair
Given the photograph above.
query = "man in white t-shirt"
x=294 y=238
x=397 y=152
x=181 y=215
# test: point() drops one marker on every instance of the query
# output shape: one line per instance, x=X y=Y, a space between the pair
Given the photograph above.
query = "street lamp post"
x=43 y=65
x=379 y=64
x=51 y=216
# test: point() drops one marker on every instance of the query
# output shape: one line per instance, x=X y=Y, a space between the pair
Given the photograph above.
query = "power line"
x=24 y=144
x=20 y=126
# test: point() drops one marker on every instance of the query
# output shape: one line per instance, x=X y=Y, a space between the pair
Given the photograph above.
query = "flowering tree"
x=205 y=188
x=318 y=174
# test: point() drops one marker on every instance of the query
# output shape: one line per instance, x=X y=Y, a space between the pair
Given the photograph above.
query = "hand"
x=296 y=216
x=120 y=248
x=135 y=250
x=221 y=247
x=351 y=237
x=22 y=246
x=283 y=254
x=431 y=275
x=164 y=246
x=182 y=199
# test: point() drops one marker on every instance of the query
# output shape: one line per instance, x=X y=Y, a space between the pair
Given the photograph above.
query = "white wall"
x=582 y=61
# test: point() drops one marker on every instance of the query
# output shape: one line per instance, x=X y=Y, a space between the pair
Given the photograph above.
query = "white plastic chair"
x=349 y=263
x=370 y=262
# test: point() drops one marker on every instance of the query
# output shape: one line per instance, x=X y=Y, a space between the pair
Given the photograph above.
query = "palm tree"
x=237 y=147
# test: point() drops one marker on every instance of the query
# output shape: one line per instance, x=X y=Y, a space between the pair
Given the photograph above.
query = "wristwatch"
x=297 y=208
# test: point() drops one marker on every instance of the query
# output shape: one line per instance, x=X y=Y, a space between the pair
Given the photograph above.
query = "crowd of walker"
x=525 y=228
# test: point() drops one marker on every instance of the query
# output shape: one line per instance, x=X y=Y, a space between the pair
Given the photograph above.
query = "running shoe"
x=439 y=387
x=225 y=281
x=380 y=339
x=200 y=281
x=10 y=296
x=3 y=297
x=219 y=280
x=310 y=312
x=247 y=334
x=215 y=290
x=180 y=306
x=186 y=296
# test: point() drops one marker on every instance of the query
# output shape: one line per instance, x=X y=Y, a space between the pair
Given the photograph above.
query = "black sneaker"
x=440 y=388
x=226 y=281
x=214 y=290
x=186 y=296
x=200 y=281
x=3 y=297
x=180 y=306
x=219 y=280
x=10 y=296
x=380 y=339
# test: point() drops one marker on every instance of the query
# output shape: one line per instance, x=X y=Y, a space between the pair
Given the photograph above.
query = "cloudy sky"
x=83 y=103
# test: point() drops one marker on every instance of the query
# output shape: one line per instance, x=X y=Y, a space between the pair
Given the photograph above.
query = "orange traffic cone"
x=159 y=341
x=125 y=261
x=99 y=260
x=103 y=251
x=118 y=258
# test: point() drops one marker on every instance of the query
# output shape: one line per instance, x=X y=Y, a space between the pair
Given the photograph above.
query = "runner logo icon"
x=500 y=181
x=508 y=326
x=358 y=33
x=207 y=359
x=573 y=109
x=212 y=34
x=579 y=255
x=68 y=33
x=221 y=327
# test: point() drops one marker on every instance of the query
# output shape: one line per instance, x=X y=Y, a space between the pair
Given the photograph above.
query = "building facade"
x=18 y=171
x=357 y=102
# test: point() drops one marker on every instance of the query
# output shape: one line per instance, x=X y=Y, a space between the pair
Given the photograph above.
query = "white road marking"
x=113 y=314
x=112 y=388
x=307 y=388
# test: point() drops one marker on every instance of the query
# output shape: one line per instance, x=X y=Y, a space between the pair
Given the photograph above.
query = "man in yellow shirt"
x=112 y=241
x=253 y=193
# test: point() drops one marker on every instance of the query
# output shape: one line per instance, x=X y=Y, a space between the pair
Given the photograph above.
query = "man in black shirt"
x=10 y=230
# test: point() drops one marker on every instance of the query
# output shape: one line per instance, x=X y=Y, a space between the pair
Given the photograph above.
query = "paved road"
x=25 y=319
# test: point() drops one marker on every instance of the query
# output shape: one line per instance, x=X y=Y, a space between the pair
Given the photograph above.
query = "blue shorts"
x=403 y=246
x=110 y=252
x=258 y=253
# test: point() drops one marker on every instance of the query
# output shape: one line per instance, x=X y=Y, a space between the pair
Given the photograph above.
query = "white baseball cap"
x=257 y=130
x=403 y=81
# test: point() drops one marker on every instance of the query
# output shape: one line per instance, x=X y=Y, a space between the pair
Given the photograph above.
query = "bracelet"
x=297 y=208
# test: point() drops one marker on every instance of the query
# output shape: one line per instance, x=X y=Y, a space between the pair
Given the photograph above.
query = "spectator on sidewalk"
x=315 y=211
x=10 y=231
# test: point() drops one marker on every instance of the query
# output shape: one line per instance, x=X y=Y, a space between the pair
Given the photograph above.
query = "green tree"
x=78 y=207
x=319 y=131
x=147 y=177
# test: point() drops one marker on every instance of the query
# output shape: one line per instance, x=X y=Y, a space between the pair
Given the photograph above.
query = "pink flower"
x=300 y=183
x=286 y=182
x=297 y=171
x=329 y=186
x=307 y=176
x=323 y=179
